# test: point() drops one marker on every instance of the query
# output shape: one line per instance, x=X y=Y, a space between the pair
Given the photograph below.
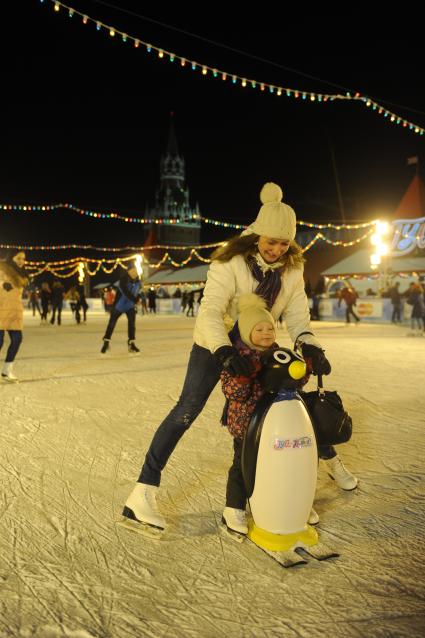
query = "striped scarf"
x=269 y=277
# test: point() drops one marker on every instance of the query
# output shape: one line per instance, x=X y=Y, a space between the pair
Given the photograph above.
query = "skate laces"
x=240 y=515
x=339 y=468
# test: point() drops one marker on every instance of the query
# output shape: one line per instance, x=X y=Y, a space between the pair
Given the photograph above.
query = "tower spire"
x=172 y=148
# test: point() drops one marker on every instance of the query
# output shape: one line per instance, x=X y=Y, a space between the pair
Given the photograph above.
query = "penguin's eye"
x=281 y=357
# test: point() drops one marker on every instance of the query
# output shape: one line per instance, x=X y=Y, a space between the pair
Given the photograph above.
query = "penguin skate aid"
x=275 y=452
x=266 y=260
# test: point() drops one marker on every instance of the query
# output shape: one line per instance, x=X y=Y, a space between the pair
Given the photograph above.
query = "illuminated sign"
x=408 y=235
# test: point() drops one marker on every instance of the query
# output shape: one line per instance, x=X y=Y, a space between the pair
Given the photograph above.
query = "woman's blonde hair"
x=246 y=245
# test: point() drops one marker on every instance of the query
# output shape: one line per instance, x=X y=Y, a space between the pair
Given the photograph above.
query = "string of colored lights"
x=237 y=79
x=64 y=263
x=105 y=249
x=138 y=220
x=77 y=263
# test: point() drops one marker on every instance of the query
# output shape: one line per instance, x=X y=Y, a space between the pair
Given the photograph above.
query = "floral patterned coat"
x=243 y=393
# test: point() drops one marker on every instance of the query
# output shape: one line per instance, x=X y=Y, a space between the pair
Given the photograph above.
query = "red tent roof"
x=412 y=204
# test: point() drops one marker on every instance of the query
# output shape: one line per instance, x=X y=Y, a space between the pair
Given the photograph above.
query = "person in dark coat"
x=83 y=301
x=58 y=293
x=184 y=300
x=349 y=295
x=190 y=304
x=152 y=300
x=395 y=297
x=34 y=298
x=415 y=299
x=45 y=300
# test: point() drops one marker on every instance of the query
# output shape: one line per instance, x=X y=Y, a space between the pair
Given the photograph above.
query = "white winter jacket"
x=226 y=281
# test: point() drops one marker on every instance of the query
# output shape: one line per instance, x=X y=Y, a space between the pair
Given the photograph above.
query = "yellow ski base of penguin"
x=281 y=542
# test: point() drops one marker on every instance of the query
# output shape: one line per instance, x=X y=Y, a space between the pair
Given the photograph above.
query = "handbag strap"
x=320 y=387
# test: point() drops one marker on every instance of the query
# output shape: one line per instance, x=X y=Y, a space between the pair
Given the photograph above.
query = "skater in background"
x=152 y=301
x=13 y=278
x=33 y=302
x=45 y=299
x=349 y=295
x=415 y=299
x=265 y=259
x=143 y=302
x=184 y=300
x=83 y=301
x=128 y=295
x=395 y=296
x=109 y=298
x=253 y=333
x=199 y=300
x=74 y=302
x=190 y=304
x=58 y=293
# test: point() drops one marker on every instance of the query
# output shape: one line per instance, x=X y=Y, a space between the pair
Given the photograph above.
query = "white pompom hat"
x=275 y=219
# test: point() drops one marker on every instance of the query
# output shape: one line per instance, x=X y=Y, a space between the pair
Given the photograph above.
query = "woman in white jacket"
x=266 y=260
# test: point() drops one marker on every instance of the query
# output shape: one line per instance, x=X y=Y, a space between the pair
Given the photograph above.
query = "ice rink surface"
x=73 y=435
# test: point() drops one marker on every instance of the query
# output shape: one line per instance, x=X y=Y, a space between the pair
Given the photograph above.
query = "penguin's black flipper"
x=251 y=442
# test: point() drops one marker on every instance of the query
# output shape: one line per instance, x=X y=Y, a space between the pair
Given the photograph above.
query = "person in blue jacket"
x=128 y=295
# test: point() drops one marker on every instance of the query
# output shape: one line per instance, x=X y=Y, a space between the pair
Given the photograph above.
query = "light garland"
x=189 y=219
x=76 y=264
x=107 y=249
x=238 y=80
x=136 y=220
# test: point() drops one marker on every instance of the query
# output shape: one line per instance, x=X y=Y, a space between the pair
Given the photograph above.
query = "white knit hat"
x=252 y=309
x=275 y=219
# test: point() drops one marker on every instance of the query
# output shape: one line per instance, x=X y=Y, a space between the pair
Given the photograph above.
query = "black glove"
x=320 y=365
x=7 y=286
x=232 y=362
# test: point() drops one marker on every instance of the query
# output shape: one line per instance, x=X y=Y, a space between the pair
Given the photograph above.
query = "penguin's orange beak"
x=297 y=369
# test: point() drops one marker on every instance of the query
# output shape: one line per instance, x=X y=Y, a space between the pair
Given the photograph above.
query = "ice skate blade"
x=290 y=558
x=150 y=531
x=319 y=551
x=231 y=533
x=8 y=379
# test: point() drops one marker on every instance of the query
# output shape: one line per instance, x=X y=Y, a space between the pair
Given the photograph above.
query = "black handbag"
x=332 y=424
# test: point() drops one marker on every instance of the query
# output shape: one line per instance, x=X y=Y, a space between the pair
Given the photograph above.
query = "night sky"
x=84 y=117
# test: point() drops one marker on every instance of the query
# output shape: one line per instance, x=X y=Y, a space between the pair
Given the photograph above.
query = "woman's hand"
x=319 y=363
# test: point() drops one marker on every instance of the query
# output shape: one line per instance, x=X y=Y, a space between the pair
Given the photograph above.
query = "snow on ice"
x=73 y=435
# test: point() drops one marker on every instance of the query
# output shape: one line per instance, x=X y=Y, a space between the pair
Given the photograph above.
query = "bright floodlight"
x=375 y=239
x=375 y=260
x=382 y=227
x=138 y=261
x=382 y=249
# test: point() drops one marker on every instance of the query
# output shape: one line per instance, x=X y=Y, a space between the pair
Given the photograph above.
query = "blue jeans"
x=203 y=373
x=15 y=342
